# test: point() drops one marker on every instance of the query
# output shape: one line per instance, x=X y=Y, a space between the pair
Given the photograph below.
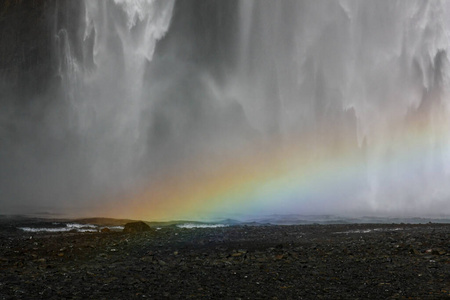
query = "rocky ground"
x=399 y=261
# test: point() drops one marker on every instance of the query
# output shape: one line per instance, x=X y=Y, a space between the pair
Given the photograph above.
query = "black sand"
x=398 y=261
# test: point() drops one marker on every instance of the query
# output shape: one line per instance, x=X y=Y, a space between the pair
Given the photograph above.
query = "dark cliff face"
x=25 y=45
x=33 y=35
x=28 y=43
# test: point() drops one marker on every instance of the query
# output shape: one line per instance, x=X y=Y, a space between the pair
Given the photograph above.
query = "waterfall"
x=158 y=95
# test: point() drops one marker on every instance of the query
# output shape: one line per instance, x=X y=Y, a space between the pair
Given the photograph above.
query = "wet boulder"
x=136 y=227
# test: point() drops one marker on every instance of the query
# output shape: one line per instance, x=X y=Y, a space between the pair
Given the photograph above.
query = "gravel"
x=369 y=261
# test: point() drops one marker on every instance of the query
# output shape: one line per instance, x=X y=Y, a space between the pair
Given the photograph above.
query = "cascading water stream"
x=122 y=36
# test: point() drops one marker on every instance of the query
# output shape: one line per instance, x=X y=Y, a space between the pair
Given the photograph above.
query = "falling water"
x=157 y=89
x=123 y=37
x=355 y=69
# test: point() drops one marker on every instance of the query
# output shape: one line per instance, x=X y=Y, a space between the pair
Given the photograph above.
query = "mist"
x=190 y=109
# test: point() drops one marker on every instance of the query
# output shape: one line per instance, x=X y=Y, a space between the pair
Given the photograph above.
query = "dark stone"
x=438 y=251
x=137 y=227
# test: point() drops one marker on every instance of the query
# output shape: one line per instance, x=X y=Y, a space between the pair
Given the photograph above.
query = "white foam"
x=192 y=225
x=68 y=227
x=79 y=226
x=31 y=229
x=370 y=230
x=114 y=227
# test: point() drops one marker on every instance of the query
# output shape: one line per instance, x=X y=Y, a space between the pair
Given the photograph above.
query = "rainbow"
x=303 y=176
